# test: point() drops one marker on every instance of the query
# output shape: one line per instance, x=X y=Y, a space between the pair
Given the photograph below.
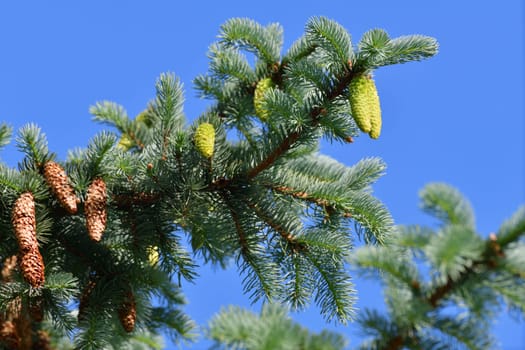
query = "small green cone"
x=364 y=102
x=205 y=139
x=262 y=87
x=375 y=107
x=145 y=118
x=125 y=142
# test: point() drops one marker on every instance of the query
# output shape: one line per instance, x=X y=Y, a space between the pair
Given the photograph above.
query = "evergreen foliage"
x=235 y=328
x=443 y=288
x=264 y=199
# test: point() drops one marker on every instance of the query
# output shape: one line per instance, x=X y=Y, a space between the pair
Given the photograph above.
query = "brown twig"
x=126 y=201
x=287 y=236
x=304 y=195
x=238 y=227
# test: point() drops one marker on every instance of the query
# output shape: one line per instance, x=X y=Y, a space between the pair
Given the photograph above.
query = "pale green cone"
x=375 y=107
x=365 y=106
x=258 y=97
x=205 y=139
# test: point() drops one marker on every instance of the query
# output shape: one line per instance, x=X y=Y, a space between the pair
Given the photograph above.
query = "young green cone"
x=365 y=106
x=375 y=107
x=205 y=139
x=262 y=87
x=125 y=142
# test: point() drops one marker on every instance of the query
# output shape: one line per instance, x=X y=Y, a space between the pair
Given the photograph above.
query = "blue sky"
x=458 y=117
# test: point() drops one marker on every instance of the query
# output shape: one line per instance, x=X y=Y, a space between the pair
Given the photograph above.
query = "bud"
x=56 y=178
x=262 y=87
x=364 y=103
x=205 y=139
x=95 y=209
x=128 y=313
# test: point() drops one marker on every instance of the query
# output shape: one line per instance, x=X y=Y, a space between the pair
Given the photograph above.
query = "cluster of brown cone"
x=95 y=205
x=24 y=218
x=16 y=325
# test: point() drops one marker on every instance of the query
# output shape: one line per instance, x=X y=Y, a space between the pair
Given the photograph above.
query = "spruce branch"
x=471 y=273
x=287 y=236
x=324 y=203
x=294 y=136
x=158 y=182
x=5 y=134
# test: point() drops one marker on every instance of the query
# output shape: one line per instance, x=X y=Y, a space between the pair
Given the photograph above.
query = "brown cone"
x=8 y=335
x=8 y=268
x=35 y=309
x=84 y=300
x=24 y=222
x=95 y=209
x=56 y=178
x=43 y=341
x=32 y=267
x=128 y=313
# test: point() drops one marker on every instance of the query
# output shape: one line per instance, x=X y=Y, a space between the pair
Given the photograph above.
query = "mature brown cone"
x=84 y=299
x=35 y=309
x=23 y=327
x=43 y=341
x=128 y=313
x=8 y=335
x=95 y=209
x=8 y=268
x=23 y=219
x=56 y=178
x=32 y=267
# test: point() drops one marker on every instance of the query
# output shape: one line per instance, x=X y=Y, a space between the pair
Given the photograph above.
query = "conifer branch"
x=126 y=201
x=491 y=254
x=294 y=136
x=287 y=236
x=305 y=196
x=287 y=143
x=238 y=227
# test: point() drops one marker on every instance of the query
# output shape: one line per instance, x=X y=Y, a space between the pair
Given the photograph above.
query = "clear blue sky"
x=458 y=117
